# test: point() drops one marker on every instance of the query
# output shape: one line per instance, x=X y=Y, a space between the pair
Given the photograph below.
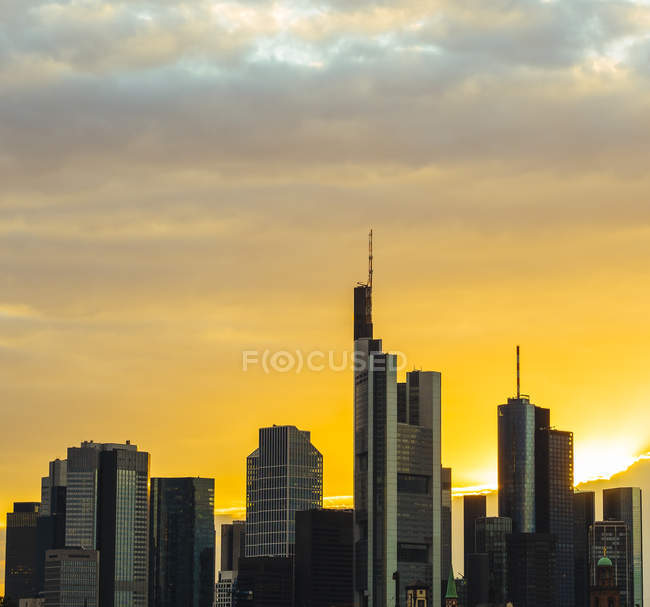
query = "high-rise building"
x=478 y=579
x=233 y=544
x=51 y=516
x=284 y=475
x=531 y=566
x=72 y=578
x=323 y=570
x=182 y=542
x=397 y=470
x=584 y=515
x=21 y=560
x=625 y=504
x=107 y=509
x=223 y=589
x=612 y=539
x=445 y=523
x=491 y=535
x=474 y=507
x=554 y=502
x=265 y=581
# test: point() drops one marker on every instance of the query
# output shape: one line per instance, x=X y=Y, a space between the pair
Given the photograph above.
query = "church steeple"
x=451 y=598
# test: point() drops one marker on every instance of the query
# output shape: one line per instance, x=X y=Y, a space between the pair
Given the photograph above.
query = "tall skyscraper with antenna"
x=397 y=488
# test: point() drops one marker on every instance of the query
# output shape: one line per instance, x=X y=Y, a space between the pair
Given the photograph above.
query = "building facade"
x=284 y=475
x=625 y=504
x=182 y=542
x=397 y=471
x=584 y=516
x=445 y=523
x=474 y=507
x=71 y=578
x=265 y=581
x=21 y=561
x=323 y=570
x=613 y=539
x=491 y=535
x=223 y=589
x=531 y=567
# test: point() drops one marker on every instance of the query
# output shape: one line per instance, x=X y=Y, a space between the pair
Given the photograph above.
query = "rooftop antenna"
x=370 y=258
x=518 y=374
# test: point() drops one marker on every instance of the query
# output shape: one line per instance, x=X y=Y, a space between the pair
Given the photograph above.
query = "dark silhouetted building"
x=451 y=595
x=71 y=578
x=265 y=581
x=613 y=539
x=51 y=516
x=584 y=515
x=554 y=502
x=323 y=570
x=478 y=579
x=21 y=561
x=474 y=507
x=531 y=559
x=445 y=521
x=182 y=542
x=284 y=475
x=605 y=592
x=233 y=544
x=397 y=469
x=625 y=504
x=491 y=535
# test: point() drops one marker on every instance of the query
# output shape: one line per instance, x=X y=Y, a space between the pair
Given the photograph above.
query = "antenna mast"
x=518 y=376
x=370 y=259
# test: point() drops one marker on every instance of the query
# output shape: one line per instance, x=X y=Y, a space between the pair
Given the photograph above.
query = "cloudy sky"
x=183 y=181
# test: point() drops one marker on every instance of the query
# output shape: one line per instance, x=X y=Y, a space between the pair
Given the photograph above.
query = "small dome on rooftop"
x=605 y=562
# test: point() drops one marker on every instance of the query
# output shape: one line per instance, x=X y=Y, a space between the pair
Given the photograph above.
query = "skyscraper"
x=51 y=516
x=474 y=507
x=584 y=515
x=21 y=561
x=531 y=558
x=612 y=539
x=107 y=509
x=71 y=578
x=624 y=504
x=284 y=475
x=323 y=572
x=445 y=522
x=233 y=544
x=491 y=539
x=397 y=470
x=182 y=542
x=554 y=502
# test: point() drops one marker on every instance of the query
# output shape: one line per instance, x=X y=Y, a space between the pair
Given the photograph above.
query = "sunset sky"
x=183 y=181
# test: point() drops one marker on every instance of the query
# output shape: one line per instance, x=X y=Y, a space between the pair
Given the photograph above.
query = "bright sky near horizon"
x=183 y=181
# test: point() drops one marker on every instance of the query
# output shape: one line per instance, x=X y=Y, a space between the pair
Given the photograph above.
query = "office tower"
x=491 y=535
x=624 y=504
x=182 y=542
x=584 y=515
x=323 y=570
x=605 y=592
x=516 y=430
x=21 y=560
x=265 y=581
x=554 y=502
x=51 y=515
x=72 y=578
x=224 y=588
x=397 y=470
x=445 y=522
x=478 y=579
x=531 y=559
x=233 y=544
x=474 y=507
x=285 y=474
x=107 y=509
x=612 y=538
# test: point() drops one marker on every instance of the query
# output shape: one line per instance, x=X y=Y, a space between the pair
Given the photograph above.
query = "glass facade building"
x=491 y=539
x=397 y=472
x=21 y=562
x=445 y=514
x=71 y=578
x=284 y=475
x=474 y=507
x=612 y=538
x=625 y=504
x=182 y=542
